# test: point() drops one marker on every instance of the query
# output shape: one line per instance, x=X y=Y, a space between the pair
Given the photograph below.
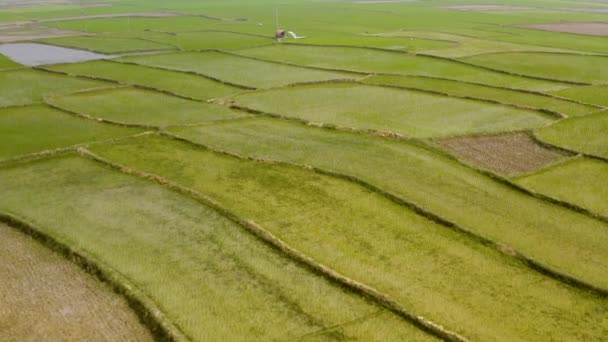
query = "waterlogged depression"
x=31 y=54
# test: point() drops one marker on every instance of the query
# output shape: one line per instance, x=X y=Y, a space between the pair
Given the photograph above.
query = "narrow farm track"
x=264 y=235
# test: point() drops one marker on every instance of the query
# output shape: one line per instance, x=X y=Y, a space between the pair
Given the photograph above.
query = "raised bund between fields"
x=273 y=241
x=121 y=53
x=161 y=328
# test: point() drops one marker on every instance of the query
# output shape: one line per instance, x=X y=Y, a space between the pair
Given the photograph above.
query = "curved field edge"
x=159 y=326
x=270 y=239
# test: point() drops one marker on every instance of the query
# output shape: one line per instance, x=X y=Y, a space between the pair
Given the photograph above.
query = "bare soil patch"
x=593 y=29
x=44 y=297
x=506 y=154
x=483 y=8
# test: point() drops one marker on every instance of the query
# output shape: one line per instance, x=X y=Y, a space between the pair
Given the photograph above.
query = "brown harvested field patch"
x=484 y=8
x=507 y=154
x=44 y=297
x=592 y=29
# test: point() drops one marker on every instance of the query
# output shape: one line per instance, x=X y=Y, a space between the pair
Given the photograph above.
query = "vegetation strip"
x=147 y=311
x=264 y=235
x=86 y=116
x=503 y=249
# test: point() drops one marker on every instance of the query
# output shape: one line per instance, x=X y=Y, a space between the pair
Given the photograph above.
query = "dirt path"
x=44 y=297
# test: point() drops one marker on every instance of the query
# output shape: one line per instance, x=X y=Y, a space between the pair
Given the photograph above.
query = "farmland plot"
x=238 y=70
x=591 y=94
x=180 y=83
x=45 y=297
x=375 y=61
x=201 y=40
x=37 y=128
x=135 y=106
x=109 y=45
x=410 y=113
x=428 y=269
x=540 y=230
x=208 y=276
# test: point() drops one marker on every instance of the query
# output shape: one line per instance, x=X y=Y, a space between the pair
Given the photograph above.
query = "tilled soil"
x=44 y=297
x=506 y=154
x=593 y=29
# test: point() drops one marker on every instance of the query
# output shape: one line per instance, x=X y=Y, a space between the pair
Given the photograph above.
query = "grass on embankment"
x=136 y=106
x=20 y=87
x=210 y=277
x=237 y=70
x=36 y=128
x=375 y=61
x=6 y=63
x=585 y=134
x=409 y=113
x=581 y=181
x=429 y=269
x=176 y=82
x=517 y=98
x=561 y=239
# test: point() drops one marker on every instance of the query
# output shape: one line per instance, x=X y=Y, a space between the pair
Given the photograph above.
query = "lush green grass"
x=429 y=269
x=213 y=40
x=591 y=94
x=482 y=92
x=6 y=63
x=19 y=87
x=177 y=82
x=131 y=25
x=556 y=39
x=393 y=43
x=237 y=70
x=556 y=237
x=567 y=67
x=582 y=182
x=409 y=113
x=36 y=128
x=210 y=277
x=464 y=45
x=108 y=45
x=135 y=106
x=586 y=134
x=374 y=61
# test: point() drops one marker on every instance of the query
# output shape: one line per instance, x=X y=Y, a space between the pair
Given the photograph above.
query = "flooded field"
x=39 y=54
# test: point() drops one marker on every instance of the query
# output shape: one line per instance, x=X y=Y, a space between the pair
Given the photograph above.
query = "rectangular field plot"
x=582 y=182
x=132 y=24
x=213 y=40
x=135 y=106
x=571 y=243
x=585 y=134
x=392 y=43
x=518 y=98
x=238 y=70
x=20 y=87
x=410 y=113
x=108 y=44
x=567 y=67
x=180 y=83
x=36 y=128
x=210 y=277
x=590 y=94
x=430 y=270
x=375 y=61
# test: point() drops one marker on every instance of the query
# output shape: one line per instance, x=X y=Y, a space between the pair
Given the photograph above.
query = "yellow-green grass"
x=567 y=67
x=20 y=87
x=238 y=70
x=585 y=134
x=597 y=94
x=36 y=128
x=176 y=82
x=429 y=269
x=518 y=98
x=581 y=181
x=6 y=63
x=318 y=37
x=409 y=113
x=375 y=61
x=208 y=276
x=463 y=46
x=108 y=45
x=213 y=40
x=558 y=238
x=137 y=106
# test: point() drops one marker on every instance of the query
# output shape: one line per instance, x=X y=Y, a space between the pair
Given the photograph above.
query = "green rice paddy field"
x=356 y=183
